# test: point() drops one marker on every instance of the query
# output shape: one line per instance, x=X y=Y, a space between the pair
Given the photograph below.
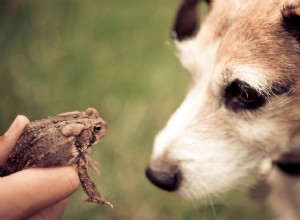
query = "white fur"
x=191 y=139
x=254 y=76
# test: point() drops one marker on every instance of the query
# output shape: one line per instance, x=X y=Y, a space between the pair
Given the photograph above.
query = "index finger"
x=31 y=190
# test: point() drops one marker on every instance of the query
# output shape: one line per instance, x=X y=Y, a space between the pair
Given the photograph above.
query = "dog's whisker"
x=212 y=207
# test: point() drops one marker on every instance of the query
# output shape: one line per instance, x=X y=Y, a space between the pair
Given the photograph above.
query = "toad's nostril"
x=167 y=180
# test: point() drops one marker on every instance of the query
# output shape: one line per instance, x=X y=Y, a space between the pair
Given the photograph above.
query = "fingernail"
x=14 y=125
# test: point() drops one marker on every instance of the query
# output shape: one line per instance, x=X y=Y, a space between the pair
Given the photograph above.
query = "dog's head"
x=243 y=101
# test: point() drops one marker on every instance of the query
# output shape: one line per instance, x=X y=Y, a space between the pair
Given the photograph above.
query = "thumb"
x=10 y=138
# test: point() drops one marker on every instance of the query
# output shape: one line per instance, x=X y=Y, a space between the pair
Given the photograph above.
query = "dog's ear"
x=291 y=16
x=289 y=163
x=186 y=21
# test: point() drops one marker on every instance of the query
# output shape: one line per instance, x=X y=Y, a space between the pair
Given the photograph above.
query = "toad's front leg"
x=88 y=184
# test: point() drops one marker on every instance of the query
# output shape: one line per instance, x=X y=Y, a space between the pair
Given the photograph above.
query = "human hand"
x=37 y=193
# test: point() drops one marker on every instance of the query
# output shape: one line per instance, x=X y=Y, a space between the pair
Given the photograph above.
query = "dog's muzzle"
x=166 y=180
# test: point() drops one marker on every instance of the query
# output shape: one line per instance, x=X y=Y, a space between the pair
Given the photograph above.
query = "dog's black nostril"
x=165 y=180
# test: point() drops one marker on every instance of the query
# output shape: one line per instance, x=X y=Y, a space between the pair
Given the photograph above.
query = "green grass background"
x=116 y=56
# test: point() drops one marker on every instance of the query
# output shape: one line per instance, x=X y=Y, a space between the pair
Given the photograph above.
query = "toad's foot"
x=93 y=164
x=100 y=201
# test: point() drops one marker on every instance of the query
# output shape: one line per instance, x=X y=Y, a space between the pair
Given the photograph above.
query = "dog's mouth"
x=167 y=180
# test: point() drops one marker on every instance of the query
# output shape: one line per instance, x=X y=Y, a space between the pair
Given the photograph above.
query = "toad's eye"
x=241 y=96
x=97 y=128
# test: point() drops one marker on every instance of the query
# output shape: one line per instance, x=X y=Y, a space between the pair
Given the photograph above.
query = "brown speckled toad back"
x=60 y=140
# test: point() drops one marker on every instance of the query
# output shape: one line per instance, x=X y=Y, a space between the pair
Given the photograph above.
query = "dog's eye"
x=241 y=96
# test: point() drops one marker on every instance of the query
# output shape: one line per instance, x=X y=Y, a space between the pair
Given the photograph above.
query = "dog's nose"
x=165 y=180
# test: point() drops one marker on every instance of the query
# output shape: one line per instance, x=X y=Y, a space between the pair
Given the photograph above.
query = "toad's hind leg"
x=88 y=184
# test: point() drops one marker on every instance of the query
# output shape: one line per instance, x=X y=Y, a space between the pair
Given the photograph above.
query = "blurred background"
x=116 y=56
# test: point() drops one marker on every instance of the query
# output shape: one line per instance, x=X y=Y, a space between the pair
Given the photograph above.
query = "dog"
x=242 y=106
